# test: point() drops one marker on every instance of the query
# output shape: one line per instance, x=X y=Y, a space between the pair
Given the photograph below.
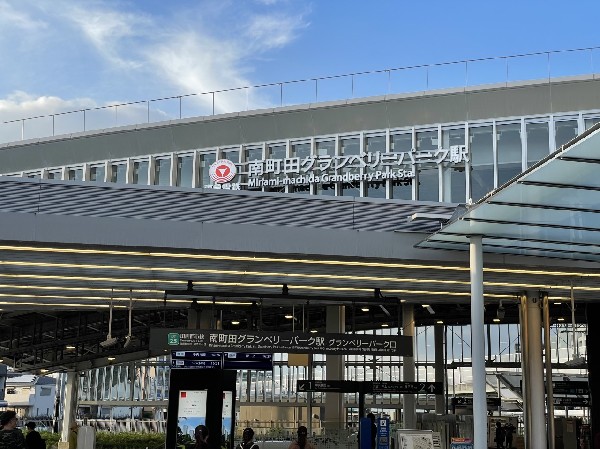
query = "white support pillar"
x=334 y=370
x=70 y=407
x=535 y=373
x=477 y=344
x=409 y=404
x=440 y=367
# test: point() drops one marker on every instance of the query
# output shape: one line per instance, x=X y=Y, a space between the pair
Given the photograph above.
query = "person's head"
x=248 y=434
x=30 y=425
x=302 y=433
x=8 y=419
x=201 y=433
x=371 y=416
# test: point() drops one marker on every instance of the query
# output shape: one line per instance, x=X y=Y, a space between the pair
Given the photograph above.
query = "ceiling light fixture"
x=235 y=322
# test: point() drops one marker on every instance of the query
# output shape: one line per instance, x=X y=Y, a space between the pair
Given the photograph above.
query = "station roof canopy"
x=551 y=210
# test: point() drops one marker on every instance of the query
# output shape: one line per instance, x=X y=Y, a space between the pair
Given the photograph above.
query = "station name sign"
x=292 y=342
x=325 y=169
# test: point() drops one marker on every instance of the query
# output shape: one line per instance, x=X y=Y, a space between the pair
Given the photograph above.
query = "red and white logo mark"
x=222 y=171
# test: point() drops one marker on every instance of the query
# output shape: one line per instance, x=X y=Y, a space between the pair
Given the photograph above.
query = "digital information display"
x=220 y=360
x=192 y=411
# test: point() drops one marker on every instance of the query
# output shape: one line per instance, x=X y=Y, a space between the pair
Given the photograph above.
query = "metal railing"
x=407 y=79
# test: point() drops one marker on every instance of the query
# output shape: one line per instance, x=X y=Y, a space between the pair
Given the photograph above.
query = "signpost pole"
x=548 y=361
x=408 y=368
x=477 y=348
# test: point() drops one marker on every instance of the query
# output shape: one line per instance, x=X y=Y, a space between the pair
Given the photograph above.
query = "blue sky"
x=65 y=54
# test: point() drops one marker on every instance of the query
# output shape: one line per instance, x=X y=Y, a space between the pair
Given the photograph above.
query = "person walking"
x=247 y=440
x=301 y=442
x=201 y=435
x=509 y=430
x=10 y=436
x=33 y=439
x=499 y=435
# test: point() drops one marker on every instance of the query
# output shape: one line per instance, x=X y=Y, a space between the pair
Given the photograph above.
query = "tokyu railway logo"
x=222 y=171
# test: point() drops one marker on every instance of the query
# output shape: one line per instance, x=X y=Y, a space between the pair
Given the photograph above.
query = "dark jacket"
x=12 y=439
x=33 y=440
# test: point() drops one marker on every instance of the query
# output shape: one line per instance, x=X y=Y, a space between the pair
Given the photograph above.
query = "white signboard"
x=324 y=169
x=192 y=411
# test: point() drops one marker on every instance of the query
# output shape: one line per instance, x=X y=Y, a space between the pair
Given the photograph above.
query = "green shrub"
x=129 y=440
x=51 y=438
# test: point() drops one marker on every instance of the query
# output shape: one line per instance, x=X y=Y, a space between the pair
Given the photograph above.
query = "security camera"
x=500 y=313
x=109 y=342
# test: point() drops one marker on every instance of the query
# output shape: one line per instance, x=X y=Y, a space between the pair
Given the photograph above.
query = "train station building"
x=462 y=219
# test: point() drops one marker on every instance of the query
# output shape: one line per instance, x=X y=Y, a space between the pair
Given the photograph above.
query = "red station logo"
x=222 y=171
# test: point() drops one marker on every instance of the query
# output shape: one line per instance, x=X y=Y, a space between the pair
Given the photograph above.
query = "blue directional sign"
x=383 y=433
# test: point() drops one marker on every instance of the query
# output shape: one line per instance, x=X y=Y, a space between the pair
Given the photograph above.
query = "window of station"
x=537 y=142
x=402 y=190
x=350 y=147
x=326 y=148
x=481 y=149
x=375 y=145
x=35 y=174
x=591 y=121
x=162 y=171
x=453 y=174
x=276 y=151
x=185 y=170
x=118 y=173
x=564 y=131
x=301 y=150
x=509 y=148
x=252 y=154
x=428 y=174
x=233 y=154
x=140 y=172
x=97 y=172
x=206 y=160
x=54 y=174
x=75 y=174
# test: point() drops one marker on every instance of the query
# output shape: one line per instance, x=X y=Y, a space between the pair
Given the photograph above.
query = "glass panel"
x=565 y=131
x=140 y=172
x=206 y=160
x=455 y=182
x=75 y=174
x=185 y=171
x=276 y=151
x=232 y=154
x=375 y=144
x=252 y=154
x=301 y=150
x=97 y=173
x=509 y=151
x=537 y=142
x=401 y=190
x=326 y=148
x=589 y=122
x=482 y=161
x=162 y=172
x=350 y=147
x=118 y=173
x=55 y=174
x=33 y=175
x=428 y=175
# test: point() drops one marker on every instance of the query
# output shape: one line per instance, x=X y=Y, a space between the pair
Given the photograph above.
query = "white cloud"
x=108 y=29
x=273 y=30
x=144 y=53
x=10 y=16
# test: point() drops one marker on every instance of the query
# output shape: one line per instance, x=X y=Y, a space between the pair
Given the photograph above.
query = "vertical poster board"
x=201 y=396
